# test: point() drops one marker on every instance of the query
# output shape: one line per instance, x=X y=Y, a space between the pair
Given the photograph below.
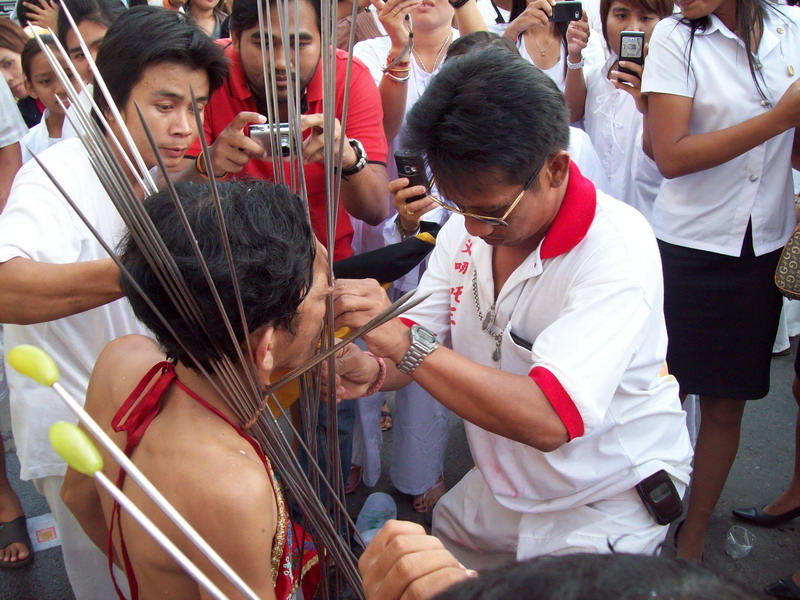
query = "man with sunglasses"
x=542 y=328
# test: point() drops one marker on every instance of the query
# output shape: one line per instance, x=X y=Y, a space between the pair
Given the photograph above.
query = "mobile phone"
x=660 y=497
x=567 y=11
x=631 y=47
x=411 y=166
x=263 y=133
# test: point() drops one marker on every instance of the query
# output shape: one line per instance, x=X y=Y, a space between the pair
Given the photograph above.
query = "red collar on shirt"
x=574 y=217
x=238 y=81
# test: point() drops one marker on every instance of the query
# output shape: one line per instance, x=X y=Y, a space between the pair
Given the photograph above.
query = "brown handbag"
x=787 y=275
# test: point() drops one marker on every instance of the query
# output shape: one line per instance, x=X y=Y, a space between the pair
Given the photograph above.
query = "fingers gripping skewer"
x=75 y=447
x=35 y=363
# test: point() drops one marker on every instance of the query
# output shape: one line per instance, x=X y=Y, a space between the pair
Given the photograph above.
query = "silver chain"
x=488 y=320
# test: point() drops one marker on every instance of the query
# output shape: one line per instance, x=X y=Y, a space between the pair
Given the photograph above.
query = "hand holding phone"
x=411 y=166
x=566 y=11
x=631 y=48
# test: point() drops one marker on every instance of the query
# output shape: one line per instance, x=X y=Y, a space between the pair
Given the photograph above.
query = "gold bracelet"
x=199 y=164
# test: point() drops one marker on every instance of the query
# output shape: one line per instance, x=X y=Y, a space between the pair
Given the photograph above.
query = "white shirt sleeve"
x=373 y=53
x=12 y=127
x=666 y=70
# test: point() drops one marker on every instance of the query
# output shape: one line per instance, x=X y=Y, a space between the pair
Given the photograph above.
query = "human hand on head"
x=536 y=14
x=392 y=15
x=358 y=301
x=314 y=144
x=409 y=213
x=232 y=149
x=577 y=38
x=632 y=84
x=402 y=562
x=356 y=373
x=44 y=15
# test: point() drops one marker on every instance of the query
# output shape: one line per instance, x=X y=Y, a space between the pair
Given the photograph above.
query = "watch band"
x=361 y=159
x=577 y=65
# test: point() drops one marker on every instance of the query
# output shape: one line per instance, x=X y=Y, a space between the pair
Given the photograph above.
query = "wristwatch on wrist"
x=423 y=342
x=361 y=158
x=577 y=65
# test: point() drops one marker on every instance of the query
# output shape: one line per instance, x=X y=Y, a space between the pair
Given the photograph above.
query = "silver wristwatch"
x=423 y=342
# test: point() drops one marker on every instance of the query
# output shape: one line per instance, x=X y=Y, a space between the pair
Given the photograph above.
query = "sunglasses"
x=493 y=221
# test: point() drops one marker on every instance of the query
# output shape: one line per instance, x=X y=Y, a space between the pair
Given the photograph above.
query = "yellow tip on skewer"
x=75 y=447
x=33 y=362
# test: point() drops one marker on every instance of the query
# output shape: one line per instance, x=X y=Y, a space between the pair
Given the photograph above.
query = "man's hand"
x=314 y=144
x=402 y=562
x=356 y=372
x=358 y=301
x=232 y=149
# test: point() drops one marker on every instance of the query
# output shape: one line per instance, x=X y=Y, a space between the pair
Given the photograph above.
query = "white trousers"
x=483 y=534
x=86 y=565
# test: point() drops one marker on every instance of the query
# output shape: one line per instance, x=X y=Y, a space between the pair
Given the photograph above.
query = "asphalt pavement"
x=762 y=469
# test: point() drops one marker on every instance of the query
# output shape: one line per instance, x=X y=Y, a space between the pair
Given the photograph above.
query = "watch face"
x=424 y=336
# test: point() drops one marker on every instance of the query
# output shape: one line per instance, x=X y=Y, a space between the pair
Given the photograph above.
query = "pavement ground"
x=762 y=469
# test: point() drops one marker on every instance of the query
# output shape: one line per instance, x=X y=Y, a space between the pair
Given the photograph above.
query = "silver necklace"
x=435 y=60
x=488 y=320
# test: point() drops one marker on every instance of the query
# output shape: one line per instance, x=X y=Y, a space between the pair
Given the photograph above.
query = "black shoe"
x=757 y=516
x=784 y=588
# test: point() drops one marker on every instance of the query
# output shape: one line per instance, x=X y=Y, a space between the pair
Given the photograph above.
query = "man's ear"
x=263 y=344
x=558 y=168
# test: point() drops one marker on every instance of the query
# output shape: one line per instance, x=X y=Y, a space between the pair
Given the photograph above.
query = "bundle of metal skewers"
x=328 y=522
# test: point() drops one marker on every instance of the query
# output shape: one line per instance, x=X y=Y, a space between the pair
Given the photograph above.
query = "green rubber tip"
x=33 y=362
x=75 y=447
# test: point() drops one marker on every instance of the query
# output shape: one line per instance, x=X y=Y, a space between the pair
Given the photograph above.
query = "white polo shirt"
x=38 y=224
x=588 y=303
x=709 y=210
x=614 y=125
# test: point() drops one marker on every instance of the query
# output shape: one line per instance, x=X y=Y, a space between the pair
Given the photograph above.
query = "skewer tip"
x=33 y=362
x=75 y=447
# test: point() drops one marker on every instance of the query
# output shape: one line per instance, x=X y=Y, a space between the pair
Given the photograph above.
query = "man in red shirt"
x=242 y=101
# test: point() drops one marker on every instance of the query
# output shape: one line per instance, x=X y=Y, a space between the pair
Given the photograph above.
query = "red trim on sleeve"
x=574 y=217
x=560 y=400
x=408 y=322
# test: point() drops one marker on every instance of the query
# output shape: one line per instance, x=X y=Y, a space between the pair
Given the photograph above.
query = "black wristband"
x=458 y=3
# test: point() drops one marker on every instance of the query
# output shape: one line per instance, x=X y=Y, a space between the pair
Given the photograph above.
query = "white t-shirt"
x=709 y=210
x=593 y=56
x=38 y=224
x=37 y=140
x=12 y=127
x=615 y=127
x=588 y=303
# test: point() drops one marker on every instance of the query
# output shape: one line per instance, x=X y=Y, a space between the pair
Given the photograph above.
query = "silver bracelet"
x=577 y=65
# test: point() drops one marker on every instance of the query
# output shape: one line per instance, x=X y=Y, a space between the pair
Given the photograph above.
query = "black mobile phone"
x=631 y=47
x=660 y=497
x=567 y=11
x=411 y=166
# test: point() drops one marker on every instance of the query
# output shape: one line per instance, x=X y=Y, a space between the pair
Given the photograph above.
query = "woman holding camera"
x=723 y=102
x=616 y=108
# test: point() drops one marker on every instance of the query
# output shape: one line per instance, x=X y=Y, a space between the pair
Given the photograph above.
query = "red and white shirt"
x=583 y=317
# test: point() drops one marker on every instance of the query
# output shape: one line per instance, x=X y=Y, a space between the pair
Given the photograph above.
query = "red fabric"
x=408 y=322
x=560 y=400
x=364 y=123
x=133 y=417
x=574 y=217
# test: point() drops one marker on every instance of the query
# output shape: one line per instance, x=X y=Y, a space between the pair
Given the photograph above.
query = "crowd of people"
x=607 y=232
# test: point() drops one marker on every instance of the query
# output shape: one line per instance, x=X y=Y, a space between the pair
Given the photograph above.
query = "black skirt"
x=722 y=316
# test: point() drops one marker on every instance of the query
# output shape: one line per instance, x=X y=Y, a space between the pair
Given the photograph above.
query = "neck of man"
x=205 y=389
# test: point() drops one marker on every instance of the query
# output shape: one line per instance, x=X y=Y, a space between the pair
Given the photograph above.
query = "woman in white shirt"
x=722 y=111
x=615 y=106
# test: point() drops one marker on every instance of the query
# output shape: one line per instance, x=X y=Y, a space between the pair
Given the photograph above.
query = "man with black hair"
x=58 y=288
x=242 y=101
x=550 y=295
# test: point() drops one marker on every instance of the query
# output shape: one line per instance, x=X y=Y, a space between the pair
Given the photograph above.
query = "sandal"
x=425 y=502
x=15 y=532
x=387 y=421
x=354 y=479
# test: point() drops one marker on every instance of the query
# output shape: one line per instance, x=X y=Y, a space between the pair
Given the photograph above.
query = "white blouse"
x=710 y=210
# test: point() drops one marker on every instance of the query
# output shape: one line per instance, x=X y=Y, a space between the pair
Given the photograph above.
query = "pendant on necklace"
x=544 y=52
x=488 y=320
x=496 y=353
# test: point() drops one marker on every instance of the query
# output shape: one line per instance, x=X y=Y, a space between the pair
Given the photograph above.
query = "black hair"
x=244 y=14
x=749 y=18
x=487 y=111
x=12 y=36
x=31 y=49
x=479 y=39
x=662 y=8
x=273 y=251
x=102 y=12
x=519 y=6
x=601 y=577
x=146 y=36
